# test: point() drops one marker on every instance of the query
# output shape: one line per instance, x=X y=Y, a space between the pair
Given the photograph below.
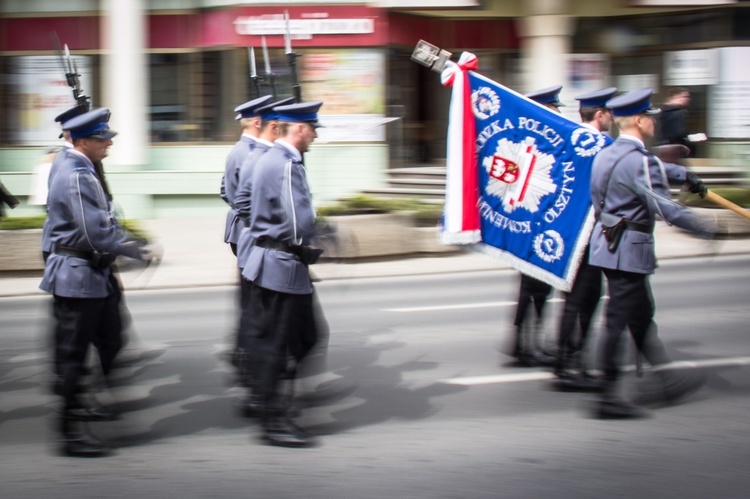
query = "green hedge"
x=424 y=213
x=19 y=223
x=37 y=221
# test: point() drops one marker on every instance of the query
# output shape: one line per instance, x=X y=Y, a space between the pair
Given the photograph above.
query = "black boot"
x=610 y=406
x=668 y=387
x=76 y=442
x=251 y=406
x=279 y=430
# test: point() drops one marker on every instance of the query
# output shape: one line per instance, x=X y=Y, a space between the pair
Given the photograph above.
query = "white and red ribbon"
x=461 y=215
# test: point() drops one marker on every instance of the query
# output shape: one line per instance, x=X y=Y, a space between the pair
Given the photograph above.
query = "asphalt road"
x=425 y=404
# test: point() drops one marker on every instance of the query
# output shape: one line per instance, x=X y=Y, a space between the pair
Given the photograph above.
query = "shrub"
x=37 y=221
x=425 y=214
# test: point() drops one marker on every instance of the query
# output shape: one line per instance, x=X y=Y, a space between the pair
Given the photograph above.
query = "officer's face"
x=646 y=123
x=605 y=119
x=307 y=136
x=95 y=149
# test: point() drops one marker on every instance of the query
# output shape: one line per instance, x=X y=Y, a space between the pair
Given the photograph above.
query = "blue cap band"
x=297 y=117
x=86 y=132
x=594 y=102
x=636 y=108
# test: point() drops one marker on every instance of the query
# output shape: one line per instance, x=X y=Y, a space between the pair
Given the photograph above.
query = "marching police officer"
x=250 y=122
x=67 y=145
x=281 y=308
x=527 y=350
x=85 y=240
x=269 y=132
x=629 y=189
x=583 y=298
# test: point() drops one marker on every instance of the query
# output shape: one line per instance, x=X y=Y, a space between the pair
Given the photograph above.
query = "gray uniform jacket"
x=242 y=203
x=230 y=181
x=282 y=211
x=79 y=218
x=637 y=190
x=46 y=240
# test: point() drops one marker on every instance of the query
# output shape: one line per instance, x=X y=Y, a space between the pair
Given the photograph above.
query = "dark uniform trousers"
x=531 y=290
x=580 y=305
x=80 y=322
x=631 y=304
x=278 y=326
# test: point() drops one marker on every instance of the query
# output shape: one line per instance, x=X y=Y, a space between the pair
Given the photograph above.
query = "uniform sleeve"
x=675 y=173
x=242 y=197
x=297 y=203
x=652 y=188
x=223 y=190
x=90 y=212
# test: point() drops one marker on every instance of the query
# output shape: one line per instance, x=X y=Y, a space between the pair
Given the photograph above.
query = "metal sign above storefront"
x=691 y=67
x=303 y=29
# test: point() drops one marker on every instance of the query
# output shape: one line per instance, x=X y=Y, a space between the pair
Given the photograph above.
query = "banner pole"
x=715 y=198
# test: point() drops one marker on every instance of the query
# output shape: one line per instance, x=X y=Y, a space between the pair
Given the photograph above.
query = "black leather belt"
x=638 y=227
x=98 y=261
x=276 y=245
x=76 y=253
x=307 y=254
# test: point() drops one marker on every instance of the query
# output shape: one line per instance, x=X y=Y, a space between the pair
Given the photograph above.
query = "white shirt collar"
x=295 y=152
x=264 y=142
x=591 y=127
x=633 y=139
x=68 y=145
x=249 y=136
x=89 y=163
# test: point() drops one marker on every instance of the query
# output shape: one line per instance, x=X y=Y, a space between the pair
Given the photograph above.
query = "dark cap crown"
x=633 y=103
x=549 y=95
x=93 y=124
x=250 y=108
x=267 y=112
x=303 y=112
x=72 y=113
x=597 y=98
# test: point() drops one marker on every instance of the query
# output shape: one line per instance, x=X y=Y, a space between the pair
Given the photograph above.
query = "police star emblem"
x=485 y=103
x=519 y=174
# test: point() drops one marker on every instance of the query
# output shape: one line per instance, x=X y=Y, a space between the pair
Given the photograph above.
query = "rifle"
x=70 y=70
x=291 y=58
x=271 y=77
x=253 y=73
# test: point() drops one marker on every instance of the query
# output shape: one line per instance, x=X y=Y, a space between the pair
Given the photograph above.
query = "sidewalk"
x=194 y=254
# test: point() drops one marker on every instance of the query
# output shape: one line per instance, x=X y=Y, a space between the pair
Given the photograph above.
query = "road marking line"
x=462 y=306
x=543 y=375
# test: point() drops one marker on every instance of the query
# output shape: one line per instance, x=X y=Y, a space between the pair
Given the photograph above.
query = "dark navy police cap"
x=633 y=103
x=94 y=125
x=267 y=112
x=304 y=112
x=549 y=95
x=250 y=108
x=597 y=98
x=72 y=113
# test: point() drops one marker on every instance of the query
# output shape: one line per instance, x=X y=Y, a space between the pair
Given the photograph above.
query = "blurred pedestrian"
x=281 y=311
x=582 y=300
x=85 y=241
x=672 y=122
x=6 y=198
x=629 y=189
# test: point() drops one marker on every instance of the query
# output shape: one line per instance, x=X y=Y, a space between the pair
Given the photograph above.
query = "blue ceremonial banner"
x=533 y=171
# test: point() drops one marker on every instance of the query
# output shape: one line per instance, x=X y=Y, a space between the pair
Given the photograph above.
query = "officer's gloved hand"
x=695 y=184
x=149 y=254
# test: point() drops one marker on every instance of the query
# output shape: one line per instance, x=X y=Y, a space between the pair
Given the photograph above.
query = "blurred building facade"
x=173 y=70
